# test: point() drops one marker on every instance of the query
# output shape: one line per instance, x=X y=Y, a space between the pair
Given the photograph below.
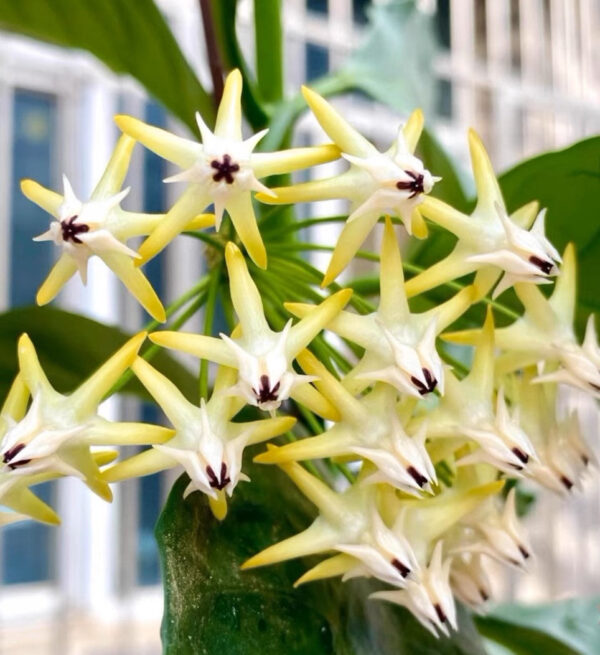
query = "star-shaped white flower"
x=222 y=170
x=349 y=523
x=99 y=226
x=392 y=182
x=207 y=443
x=262 y=357
x=53 y=437
x=470 y=581
x=399 y=345
x=499 y=533
x=467 y=410
x=545 y=334
x=430 y=597
x=489 y=241
x=368 y=428
x=564 y=455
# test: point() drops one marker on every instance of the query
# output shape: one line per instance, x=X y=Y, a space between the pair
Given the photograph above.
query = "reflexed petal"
x=24 y=501
x=307 y=395
x=525 y=216
x=191 y=203
x=340 y=186
x=116 y=169
x=242 y=216
x=286 y=161
x=303 y=332
x=482 y=369
x=90 y=394
x=446 y=216
x=412 y=129
x=328 y=444
x=488 y=190
x=350 y=240
x=218 y=505
x=29 y=365
x=315 y=539
x=450 y=268
x=392 y=304
x=136 y=282
x=178 y=410
x=564 y=296
x=145 y=463
x=48 y=200
x=199 y=345
x=229 y=117
x=127 y=434
x=339 y=131
x=329 y=568
x=182 y=152
x=16 y=401
x=263 y=429
x=62 y=271
x=449 y=311
x=244 y=295
x=349 y=407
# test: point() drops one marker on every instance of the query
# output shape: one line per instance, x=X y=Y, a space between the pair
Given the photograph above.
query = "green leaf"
x=212 y=607
x=567 y=182
x=71 y=347
x=129 y=37
x=568 y=627
x=393 y=64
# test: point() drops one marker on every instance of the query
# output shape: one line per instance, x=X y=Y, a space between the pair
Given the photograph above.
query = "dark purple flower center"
x=265 y=393
x=224 y=169
x=414 y=185
x=70 y=229
x=218 y=482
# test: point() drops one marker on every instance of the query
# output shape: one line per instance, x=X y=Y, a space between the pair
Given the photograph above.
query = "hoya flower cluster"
x=433 y=446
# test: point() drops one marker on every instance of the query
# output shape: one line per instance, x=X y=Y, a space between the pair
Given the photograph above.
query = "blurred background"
x=526 y=73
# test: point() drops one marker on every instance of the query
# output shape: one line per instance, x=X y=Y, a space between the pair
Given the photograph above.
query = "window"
x=359 y=11
x=317 y=61
x=150 y=488
x=34 y=118
x=27 y=547
x=318 y=6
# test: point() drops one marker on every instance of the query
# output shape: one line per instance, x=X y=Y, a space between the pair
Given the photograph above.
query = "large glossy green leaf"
x=212 y=607
x=567 y=182
x=568 y=627
x=128 y=36
x=71 y=347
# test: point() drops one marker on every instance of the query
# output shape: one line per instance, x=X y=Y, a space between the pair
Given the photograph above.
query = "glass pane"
x=359 y=11
x=319 y=6
x=150 y=488
x=27 y=547
x=34 y=117
x=317 y=61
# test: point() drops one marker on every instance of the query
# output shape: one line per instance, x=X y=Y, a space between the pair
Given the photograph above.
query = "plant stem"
x=269 y=49
x=209 y=317
x=212 y=50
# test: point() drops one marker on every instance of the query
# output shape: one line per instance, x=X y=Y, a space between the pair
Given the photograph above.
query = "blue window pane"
x=34 y=117
x=359 y=11
x=149 y=507
x=27 y=547
x=317 y=61
x=319 y=6
x=150 y=487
